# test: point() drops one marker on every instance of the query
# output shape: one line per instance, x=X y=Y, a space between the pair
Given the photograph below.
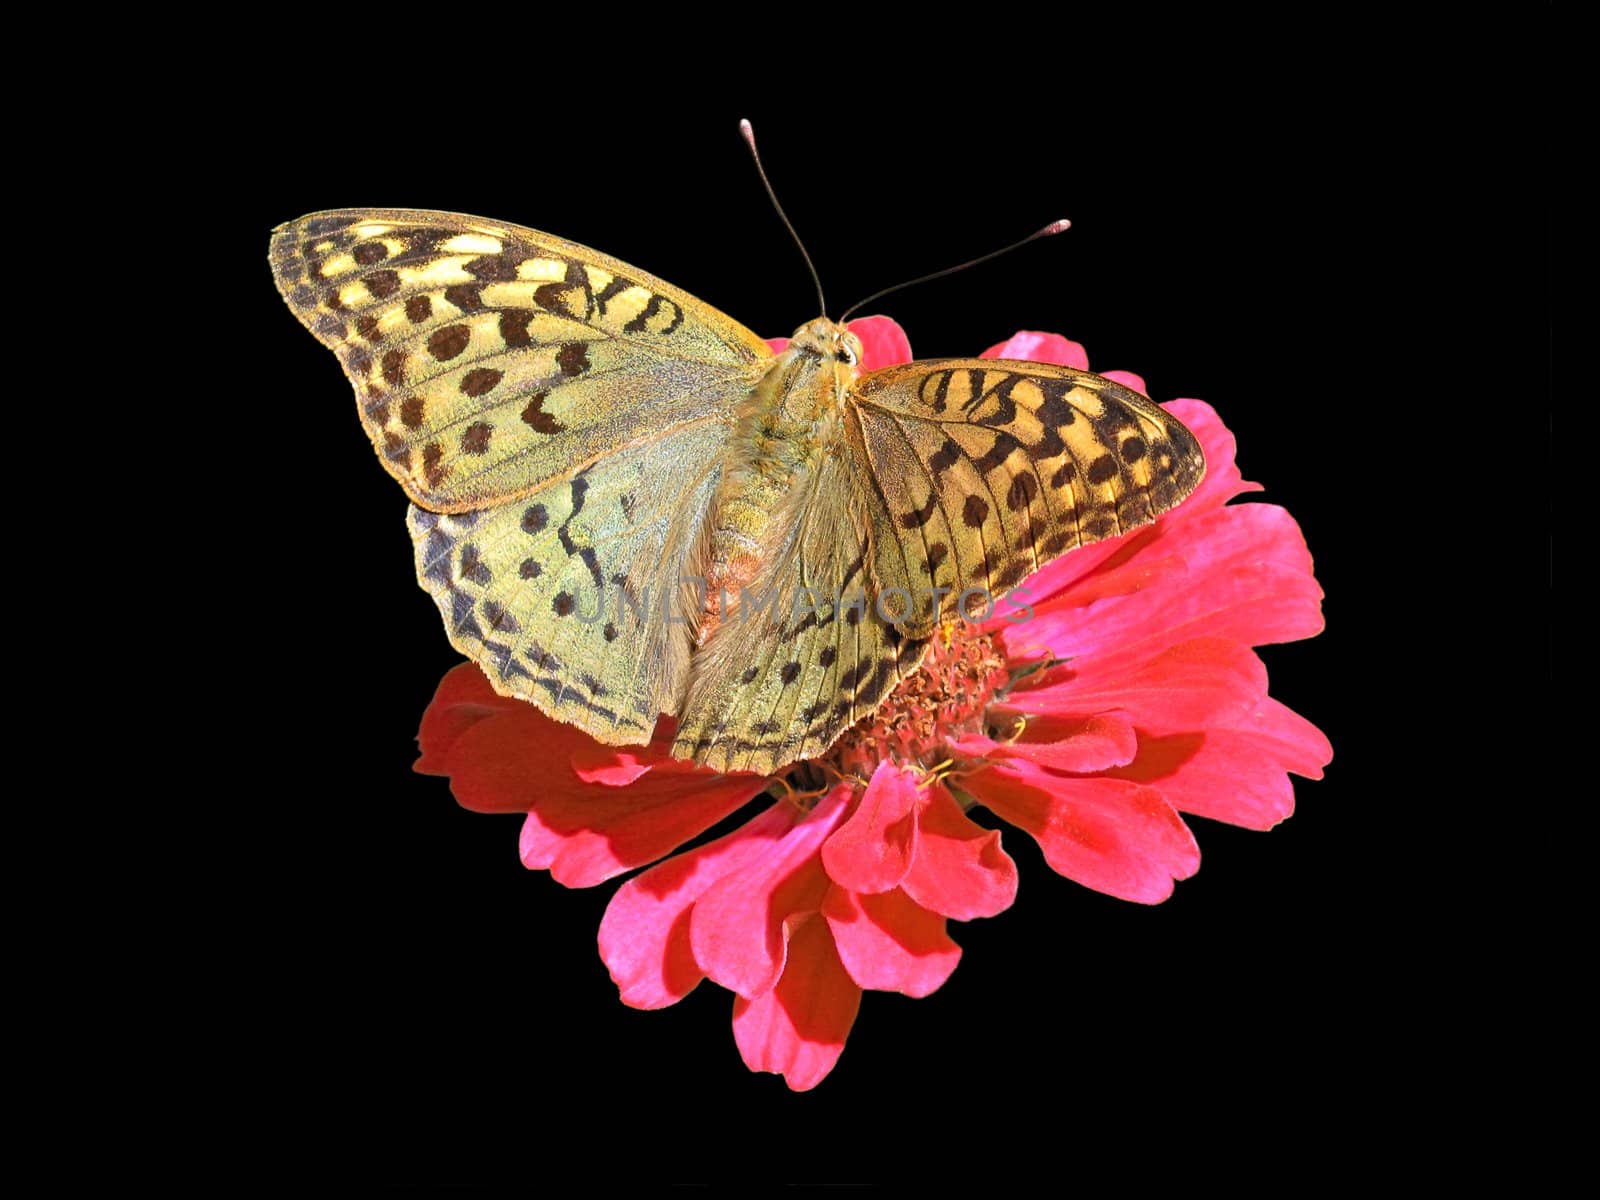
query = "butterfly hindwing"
x=808 y=651
x=989 y=469
x=489 y=359
x=572 y=597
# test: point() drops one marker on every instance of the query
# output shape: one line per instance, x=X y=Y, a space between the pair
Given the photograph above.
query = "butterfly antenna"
x=750 y=140
x=1049 y=230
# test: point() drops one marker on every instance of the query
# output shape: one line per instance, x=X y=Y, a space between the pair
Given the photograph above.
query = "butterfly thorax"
x=781 y=433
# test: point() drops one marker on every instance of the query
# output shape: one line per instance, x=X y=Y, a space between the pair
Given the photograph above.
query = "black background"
x=1336 y=241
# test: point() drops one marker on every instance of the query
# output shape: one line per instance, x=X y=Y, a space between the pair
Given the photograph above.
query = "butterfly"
x=626 y=505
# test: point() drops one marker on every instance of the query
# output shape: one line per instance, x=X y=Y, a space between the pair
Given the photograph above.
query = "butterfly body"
x=791 y=420
x=625 y=505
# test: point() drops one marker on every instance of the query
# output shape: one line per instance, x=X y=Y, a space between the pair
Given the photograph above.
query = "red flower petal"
x=1246 y=576
x=1237 y=774
x=1184 y=688
x=1108 y=834
x=1222 y=481
x=777 y=345
x=1041 y=347
x=481 y=740
x=1296 y=743
x=883 y=342
x=588 y=833
x=737 y=928
x=618 y=766
x=1251 y=578
x=604 y=765
x=873 y=849
x=797 y=1029
x=889 y=942
x=1128 y=380
x=644 y=936
x=1124 y=575
x=1081 y=744
x=462 y=699
x=960 y=869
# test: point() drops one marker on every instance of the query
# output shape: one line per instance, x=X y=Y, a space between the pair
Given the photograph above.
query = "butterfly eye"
x=848 y=353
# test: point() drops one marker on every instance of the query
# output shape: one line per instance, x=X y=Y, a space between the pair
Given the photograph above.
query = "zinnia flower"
x=1132 y=695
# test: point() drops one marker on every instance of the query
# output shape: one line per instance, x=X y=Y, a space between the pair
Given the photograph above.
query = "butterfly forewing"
x=489 y=359
x=988 y=469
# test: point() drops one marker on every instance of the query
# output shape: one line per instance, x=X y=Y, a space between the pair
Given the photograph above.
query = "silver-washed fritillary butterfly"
x=626 y=505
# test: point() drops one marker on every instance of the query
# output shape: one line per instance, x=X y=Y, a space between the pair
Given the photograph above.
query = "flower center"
x=945 y=699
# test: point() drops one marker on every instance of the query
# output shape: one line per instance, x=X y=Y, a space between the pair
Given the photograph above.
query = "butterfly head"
x=828 y=341
x=809 y=381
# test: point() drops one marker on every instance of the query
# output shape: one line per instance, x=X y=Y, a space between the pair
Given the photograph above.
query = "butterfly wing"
x=557 y=418
x=804 y=654
x=952 y=475
x=989 y=468
x=489 y=359
x=573 y=598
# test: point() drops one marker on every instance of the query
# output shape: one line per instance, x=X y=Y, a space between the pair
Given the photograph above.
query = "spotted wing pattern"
x=989 y=469
x=489 y=359
x=579 y=598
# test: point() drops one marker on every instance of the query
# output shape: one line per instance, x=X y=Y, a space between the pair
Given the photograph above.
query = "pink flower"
x=1130 y=697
